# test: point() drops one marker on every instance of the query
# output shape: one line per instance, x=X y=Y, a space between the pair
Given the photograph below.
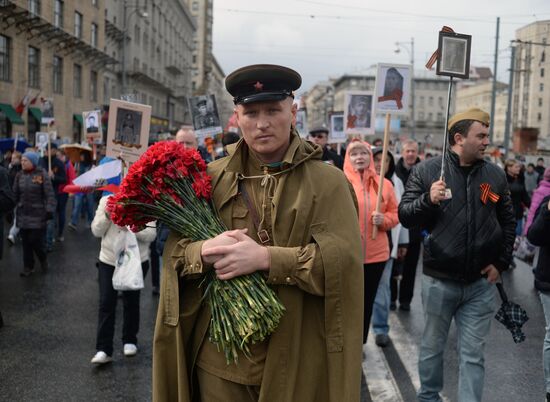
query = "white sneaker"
x=130 y=349
x=101 y=358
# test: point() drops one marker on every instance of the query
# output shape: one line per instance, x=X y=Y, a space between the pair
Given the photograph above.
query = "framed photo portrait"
x=206 y=120
x=337 y=133
x=92 y=125
x=393 y=88
x=128 y=131
x=454 y=55
x=359 y=113
x=47 y=111
x=301 y=123
x=41 y=140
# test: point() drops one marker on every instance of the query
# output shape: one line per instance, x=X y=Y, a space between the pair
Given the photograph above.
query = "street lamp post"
x=125 y=19
x=411 y=53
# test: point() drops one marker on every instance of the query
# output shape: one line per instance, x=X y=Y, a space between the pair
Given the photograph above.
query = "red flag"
x=33 y=100
x=20 y=108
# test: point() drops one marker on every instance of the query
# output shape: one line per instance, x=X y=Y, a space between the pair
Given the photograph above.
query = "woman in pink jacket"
x=359 y=169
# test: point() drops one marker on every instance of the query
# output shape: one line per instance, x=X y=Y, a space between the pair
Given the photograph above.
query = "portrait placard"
x=359 y=112
x=454 y=55
x=206 y=120
x=41 y=139
x=47 y=111
x=92 y=125
x=128 y=131
x=337 y=133
x=301 y=123
x=393 y=88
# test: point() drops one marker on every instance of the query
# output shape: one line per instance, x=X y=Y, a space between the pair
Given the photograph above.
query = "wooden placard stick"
x=382 y=170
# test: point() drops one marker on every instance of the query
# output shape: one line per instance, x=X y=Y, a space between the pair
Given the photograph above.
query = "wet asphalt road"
x=50 y=322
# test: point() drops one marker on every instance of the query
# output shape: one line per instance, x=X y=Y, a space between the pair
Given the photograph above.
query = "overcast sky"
x=327 y=38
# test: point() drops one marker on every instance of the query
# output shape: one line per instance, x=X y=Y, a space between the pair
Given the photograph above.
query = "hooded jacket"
x=539 y=235
x=316 y=271
x=465 y=235
x=35 y=198
x=540 y=193
x=366 y=190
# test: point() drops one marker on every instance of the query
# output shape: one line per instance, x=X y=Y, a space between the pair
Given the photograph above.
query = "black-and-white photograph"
x=358 y=112
x=206 y=120
x=92 y=125
x=301 y=123
x=41 y=140
x=47 y=111
x=337 y=133
x=454 y=55
x=128 y=127
x=128 y=131
x=393 y=83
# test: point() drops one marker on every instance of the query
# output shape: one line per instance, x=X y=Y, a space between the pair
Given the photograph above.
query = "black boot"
x=26 y=272
x=548 y=397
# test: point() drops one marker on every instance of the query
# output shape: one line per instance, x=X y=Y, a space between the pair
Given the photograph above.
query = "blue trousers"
x=78 y=202
x=472 y=306
x=381 y=308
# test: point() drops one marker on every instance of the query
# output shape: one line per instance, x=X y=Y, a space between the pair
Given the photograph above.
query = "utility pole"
x=494 y=96
x=509 y=107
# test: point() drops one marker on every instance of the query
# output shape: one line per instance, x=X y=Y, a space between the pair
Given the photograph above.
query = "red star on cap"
x=258 y=86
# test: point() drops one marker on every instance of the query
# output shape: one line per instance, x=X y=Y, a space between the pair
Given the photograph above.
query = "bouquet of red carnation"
x=169 y=183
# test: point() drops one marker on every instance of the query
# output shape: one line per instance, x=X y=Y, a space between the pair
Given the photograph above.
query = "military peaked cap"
x=262 y=83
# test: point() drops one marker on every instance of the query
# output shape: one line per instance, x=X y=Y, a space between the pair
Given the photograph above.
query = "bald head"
x=187 y=137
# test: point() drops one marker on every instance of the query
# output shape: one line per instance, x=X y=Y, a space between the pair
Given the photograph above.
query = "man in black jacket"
x=7 y=203
x=319 y=136
x=404 y=289
x=471 y=229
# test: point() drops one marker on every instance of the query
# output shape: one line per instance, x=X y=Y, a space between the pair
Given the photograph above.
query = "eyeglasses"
x=317 y=135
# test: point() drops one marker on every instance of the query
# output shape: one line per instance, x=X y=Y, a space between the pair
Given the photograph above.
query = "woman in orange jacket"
x=359 y=169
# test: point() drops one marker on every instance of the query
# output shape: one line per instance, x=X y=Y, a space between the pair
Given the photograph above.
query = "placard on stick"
x=359 y=113
x=393 y=87
x=128 y=131
x=92 y=125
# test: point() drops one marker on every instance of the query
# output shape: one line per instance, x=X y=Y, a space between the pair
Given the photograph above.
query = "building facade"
x=531 y=83
x=153 y=44
x=51 y=53
x=479 y=95
x=319 y=104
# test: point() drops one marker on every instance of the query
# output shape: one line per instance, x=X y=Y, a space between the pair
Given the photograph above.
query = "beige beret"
x=470 y=114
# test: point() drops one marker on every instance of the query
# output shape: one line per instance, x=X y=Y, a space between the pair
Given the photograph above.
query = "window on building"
x=422 y=102
x=106 y=86
x=540 y=101
x=34 y=67
x=146 y=41
x=195 y=6
x=58 y=13
x=95 y=3
x=431 y=101
x=5 y=58
x=542 y=72
x=420 y=114
x=439 y=116
x=34 y=6
x=93 y=86
x=541 y=87
x=440 y=101
x=136 y=64
x=78 y=25
x=144 y=68
x=57 y=75
x=77 y=81
x=539 y=116
x=137 y=35
x=543 y=57
x=430 y=116
x=93 y=35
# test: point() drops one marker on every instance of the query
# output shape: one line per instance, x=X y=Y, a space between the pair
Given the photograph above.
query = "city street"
x=50 y=322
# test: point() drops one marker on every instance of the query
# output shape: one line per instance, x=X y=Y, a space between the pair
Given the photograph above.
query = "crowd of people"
x=329 y=222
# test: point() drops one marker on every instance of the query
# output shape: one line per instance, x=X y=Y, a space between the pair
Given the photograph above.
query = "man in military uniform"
x=307 y=243
x=205 y=117
x=319 y=136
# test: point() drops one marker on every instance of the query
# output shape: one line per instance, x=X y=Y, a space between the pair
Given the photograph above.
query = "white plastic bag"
x=128 y=274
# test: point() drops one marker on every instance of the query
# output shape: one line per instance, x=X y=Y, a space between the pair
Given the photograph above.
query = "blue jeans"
x=381 y=308
x=472 y=306
x=545 y=300
x=77 y=206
